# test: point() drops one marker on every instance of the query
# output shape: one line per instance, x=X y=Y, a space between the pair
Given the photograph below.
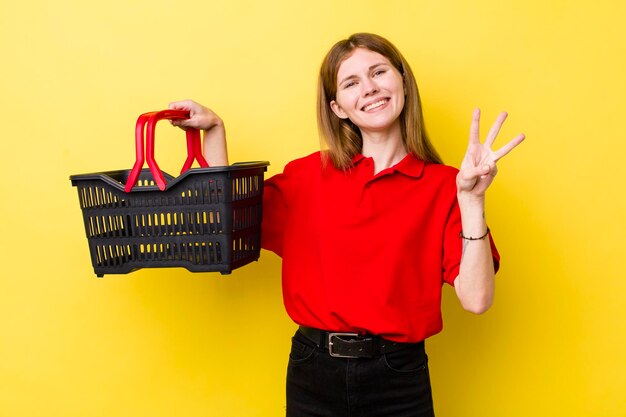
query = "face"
x=370 y=91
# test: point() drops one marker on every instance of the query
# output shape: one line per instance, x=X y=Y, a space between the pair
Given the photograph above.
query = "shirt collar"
x=410 y=166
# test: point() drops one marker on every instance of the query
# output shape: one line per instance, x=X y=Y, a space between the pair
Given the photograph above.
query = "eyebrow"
x=354 y=76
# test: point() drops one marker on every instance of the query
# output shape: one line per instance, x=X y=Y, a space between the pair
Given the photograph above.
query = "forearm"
x=214 y=145
x=475 y=285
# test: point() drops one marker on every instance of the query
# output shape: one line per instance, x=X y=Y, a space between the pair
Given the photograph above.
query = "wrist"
x=471 y=205
x=475 y=237
x=473 y=219
x=214 y=123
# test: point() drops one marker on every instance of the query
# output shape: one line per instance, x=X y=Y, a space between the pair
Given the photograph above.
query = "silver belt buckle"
x=331 y=344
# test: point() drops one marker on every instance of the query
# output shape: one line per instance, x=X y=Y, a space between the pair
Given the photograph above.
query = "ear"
x=336 y=108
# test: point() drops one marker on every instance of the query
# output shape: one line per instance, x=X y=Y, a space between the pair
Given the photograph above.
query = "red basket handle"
x=194 y=148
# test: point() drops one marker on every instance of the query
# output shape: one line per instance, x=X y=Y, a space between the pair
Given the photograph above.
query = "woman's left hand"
x=479 y=164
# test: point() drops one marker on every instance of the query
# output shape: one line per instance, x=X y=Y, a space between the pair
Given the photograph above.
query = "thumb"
x=472 y=173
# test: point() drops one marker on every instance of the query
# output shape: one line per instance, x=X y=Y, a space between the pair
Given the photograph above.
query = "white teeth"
x=374 y=105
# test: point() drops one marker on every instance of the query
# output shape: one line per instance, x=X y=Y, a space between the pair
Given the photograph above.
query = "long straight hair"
x=343 y=137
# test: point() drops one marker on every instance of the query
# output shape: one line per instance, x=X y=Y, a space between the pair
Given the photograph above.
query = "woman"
x=368 y=231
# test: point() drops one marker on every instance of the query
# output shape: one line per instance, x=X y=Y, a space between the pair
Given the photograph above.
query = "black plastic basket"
x=205 y=220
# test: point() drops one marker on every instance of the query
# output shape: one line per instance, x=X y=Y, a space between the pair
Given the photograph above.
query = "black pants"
x=396 y=384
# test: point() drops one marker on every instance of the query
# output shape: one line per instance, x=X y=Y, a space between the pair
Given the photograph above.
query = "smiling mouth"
x=375 y=105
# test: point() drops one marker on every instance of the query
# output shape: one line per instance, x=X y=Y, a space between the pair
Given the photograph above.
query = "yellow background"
x=76 y=74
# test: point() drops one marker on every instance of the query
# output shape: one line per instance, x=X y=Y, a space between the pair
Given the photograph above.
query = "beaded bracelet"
x=474 y=238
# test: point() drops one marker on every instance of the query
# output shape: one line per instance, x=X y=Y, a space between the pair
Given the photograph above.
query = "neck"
x=385 y=148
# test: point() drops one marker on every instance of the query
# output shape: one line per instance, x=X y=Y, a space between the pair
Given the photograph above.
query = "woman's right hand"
x=202 y=118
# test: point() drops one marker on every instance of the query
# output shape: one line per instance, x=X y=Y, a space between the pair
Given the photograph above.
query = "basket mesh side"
x=247 y=186
x=195 y=253
x=172 y=223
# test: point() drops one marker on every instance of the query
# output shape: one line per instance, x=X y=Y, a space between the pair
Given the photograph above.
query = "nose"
x=369 y=87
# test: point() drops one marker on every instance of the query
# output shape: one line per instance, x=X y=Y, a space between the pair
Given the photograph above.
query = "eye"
x=349 y=84
x=379 y=72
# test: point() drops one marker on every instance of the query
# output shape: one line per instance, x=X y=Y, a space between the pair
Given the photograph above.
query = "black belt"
x=352 y=345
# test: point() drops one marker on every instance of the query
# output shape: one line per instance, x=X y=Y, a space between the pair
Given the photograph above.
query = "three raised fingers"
x=493 y=133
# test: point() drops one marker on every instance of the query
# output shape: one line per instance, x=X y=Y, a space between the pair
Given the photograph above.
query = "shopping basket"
x=207 y=219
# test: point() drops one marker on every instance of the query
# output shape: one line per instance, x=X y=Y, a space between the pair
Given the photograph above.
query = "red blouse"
x=362 y=252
